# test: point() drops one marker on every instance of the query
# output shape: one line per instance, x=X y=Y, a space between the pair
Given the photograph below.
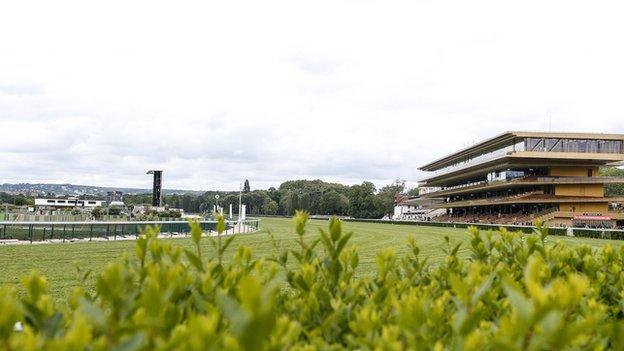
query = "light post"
x=217 y=202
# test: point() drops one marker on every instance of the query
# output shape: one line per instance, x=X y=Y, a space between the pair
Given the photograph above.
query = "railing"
x=63 y=231
x=597 y=180
x=470 y=163
x=29 y=217
x=474 y=185
x=471 y=202
x=530 y=179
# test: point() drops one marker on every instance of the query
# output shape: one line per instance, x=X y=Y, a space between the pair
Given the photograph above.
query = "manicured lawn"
x=60 y=262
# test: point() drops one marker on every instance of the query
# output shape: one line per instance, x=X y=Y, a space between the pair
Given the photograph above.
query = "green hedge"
x=507 y=292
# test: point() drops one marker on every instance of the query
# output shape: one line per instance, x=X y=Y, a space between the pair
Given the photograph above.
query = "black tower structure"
x=157 y=189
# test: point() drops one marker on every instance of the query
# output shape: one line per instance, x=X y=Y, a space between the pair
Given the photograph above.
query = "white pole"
x=230 y=211
x=240 y=207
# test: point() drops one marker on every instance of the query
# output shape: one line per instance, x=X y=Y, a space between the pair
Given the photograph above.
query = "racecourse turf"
x=62 y=262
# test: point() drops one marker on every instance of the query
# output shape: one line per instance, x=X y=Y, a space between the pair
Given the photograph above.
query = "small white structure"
x=412 y=209
x=408 y=212
x=41 y=203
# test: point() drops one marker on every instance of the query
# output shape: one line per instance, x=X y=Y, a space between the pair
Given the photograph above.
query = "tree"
x=269 y=207
x=613 y=189
x=114 y=211
x=305 y=202
x=363 y=203
x=97 y=212
x=230 y=199
x=309 y=193
x=387 y=195
x=274 y=194
x=288 y=203
x=413 y=191
x=333 y=203
x=246 y=188
x=21 y=200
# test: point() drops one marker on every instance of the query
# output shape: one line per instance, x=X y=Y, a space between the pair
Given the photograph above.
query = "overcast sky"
x=98 y=93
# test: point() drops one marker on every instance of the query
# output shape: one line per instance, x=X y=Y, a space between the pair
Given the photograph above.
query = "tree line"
x=314 y=196
x=613 y=189
x=16 y=199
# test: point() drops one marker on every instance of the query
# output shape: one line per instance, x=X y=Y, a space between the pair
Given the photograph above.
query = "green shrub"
x=513 y=293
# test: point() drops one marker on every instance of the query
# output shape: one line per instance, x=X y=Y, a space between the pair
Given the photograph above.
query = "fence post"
x=52 y=232
x=73 y=230
x=91 y=233
x=30 y=231
x=107 y=231
x=64 y=231
x=114 y=231
x=44 y=230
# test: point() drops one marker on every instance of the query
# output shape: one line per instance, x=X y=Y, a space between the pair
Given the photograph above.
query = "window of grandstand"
x=504 y=175
x=573 y=145
x=534 y=144
x=554 y=145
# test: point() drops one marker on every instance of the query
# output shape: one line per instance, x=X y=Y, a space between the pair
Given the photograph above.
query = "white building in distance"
x=41 y=203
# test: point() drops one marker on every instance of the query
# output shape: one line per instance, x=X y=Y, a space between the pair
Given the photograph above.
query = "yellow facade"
x=590 y=190
x=585 y=207
x=558 y=171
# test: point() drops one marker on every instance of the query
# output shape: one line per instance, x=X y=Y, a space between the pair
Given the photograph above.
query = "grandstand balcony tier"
x=519 y=182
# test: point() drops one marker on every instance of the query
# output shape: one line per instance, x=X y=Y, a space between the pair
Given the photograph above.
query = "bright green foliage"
x=512 y=293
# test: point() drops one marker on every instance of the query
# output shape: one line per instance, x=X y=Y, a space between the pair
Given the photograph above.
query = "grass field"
x=60 y=262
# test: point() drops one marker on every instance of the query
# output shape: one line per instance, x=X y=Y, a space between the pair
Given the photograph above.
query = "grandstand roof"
x=506 y=139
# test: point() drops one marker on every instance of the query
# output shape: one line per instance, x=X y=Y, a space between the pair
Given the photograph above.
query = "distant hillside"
x=71 y=189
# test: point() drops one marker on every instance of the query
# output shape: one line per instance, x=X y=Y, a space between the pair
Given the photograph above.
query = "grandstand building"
x=523 y=177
